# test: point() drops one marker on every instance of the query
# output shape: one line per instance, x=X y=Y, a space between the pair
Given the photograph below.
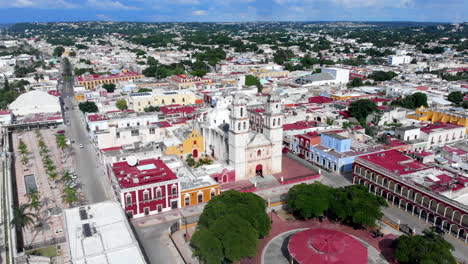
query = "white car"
x=81 y=145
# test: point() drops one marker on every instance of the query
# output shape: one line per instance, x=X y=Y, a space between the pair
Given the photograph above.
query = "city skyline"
x=232 y=11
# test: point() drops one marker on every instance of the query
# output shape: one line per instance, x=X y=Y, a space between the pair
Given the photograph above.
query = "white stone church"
x=228 y=137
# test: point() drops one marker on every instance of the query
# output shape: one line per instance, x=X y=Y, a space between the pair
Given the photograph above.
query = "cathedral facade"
x=253 y=153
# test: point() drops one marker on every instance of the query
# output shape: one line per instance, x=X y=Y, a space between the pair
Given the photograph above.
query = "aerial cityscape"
x=247 y=132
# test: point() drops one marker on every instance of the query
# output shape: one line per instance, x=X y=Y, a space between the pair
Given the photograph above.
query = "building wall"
x=194 y=141
x=139 y=103
x=443 y=137
x=138 y=202
x=425 y=114
x=340 y=145
x=408 y=135
x=92 y=84
x=191 y=196
x=115 y=137
x=427 y=206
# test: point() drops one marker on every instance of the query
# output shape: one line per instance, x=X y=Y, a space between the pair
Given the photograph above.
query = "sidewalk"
x=183 y=246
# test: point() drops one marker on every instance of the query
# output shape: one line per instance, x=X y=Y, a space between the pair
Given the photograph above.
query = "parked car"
x=81 y=145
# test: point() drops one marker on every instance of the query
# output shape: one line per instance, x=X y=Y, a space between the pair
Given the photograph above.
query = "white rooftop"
x=109 y=240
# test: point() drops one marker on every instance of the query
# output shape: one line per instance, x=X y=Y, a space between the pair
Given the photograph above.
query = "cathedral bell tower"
x=238 y=135
x=273 y=129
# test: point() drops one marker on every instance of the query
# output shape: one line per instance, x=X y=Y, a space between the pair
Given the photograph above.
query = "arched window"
x=183 y=100
x=279 y=121
x=259 y=153
x=239 y=126
x=242 y=112
x=174 y=189
x=173 y=100
x=200 y=198
x=274 y=122
x=187 y=200
x=158 y=194
x=213 y=193
x=245 y=125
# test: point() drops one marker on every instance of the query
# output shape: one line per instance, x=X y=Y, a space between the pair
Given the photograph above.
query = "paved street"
x=90 y=174
x=395 y=214
x=156 y=242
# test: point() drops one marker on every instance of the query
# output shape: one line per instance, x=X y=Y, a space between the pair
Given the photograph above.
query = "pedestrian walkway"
x=182 y=239
x=51 y=227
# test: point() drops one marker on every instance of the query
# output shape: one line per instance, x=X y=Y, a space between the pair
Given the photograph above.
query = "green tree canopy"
x=121 y=104
x=360 y=109
x=427 y=248
x=152 y=109
x=455 y=97
x=229 y=227
x=58 y=51
x=356 y=82
x=355 y=205
x=110 y=87
x=381 y=76
x=22 y=217
x=412 y=101
x=88 y=107
x=309 y=200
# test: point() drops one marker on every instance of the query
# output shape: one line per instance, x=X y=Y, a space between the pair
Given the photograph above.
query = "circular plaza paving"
x=319 y=245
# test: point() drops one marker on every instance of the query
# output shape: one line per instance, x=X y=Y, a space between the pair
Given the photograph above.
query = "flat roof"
x=100 y=233
x=144 y=172
x=394 y=161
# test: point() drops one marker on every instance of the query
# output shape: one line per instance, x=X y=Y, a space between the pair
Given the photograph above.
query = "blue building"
x=334 y=153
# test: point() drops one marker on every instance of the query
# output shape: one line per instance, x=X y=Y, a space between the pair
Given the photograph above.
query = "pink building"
x=433 y=195
x=145 y=187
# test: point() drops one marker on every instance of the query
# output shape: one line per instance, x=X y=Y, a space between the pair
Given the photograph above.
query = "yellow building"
x=90 y=81
x=193 y=143
x=201 y=193
x=139 y=101
x=344 y=96
x=263 y=73
x=183 y=81
x=440 y=115
x=80 y=97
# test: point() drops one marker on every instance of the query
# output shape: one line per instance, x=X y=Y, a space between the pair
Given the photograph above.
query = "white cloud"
x=42 y=4
x=109 y=4
x=104 y=17
x=186 y=2
x=297 y=8
x=199 y=13
x=374 y=3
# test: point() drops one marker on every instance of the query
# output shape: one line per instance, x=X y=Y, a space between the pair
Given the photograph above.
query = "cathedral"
x=255 y=153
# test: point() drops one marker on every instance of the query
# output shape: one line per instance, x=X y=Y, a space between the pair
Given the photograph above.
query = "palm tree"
x=33 y=194
x=22 y=147
x=24 y=160
x=22 y=218
x=66 y=176
x=61 y=141
x=53 y=175
x=34 y=199
x=43 y=151
x=70 y=196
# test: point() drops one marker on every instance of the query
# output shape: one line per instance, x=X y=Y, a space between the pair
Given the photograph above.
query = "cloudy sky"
x=233 y=10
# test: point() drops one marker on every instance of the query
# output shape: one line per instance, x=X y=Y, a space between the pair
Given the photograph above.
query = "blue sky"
x=233 y=10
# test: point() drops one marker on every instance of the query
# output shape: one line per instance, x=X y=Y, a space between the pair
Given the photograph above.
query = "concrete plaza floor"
x=52 y=226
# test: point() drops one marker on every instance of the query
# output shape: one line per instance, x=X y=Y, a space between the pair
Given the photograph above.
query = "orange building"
x=197 y=192
x=90 y=81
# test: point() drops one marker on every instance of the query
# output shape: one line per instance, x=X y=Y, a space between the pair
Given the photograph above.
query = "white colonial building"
x=252 y=153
